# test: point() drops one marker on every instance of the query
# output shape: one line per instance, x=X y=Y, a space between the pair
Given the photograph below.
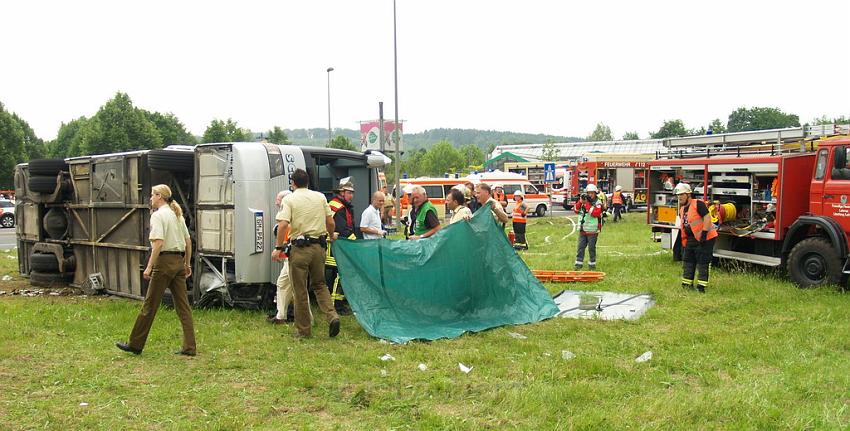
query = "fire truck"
x=778 y=197
x=607 y=171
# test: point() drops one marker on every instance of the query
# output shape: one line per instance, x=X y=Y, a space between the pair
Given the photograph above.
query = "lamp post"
x=396 y=135
x=330 y=69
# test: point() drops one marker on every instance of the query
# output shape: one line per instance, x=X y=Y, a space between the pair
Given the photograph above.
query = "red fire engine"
x=778 y=197
x=608 y=171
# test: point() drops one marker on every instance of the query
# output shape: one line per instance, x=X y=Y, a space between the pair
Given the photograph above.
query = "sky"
x=534 y=66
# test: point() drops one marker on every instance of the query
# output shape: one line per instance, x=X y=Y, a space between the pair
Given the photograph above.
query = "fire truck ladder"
x=772 y=142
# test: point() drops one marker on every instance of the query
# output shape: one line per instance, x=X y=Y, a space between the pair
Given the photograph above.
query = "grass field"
x=755 y=352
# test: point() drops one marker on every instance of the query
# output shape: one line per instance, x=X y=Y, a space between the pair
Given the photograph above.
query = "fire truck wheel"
x=47 y=167
x=814 y=262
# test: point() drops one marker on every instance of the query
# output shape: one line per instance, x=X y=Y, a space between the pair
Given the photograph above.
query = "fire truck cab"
x=778 y=198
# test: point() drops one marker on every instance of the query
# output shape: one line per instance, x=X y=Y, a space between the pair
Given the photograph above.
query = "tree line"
x=120 y=126
x=742 y=119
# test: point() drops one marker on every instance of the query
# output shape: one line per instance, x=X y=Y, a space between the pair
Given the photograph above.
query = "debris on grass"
x=423 y=367
x=387 y=357
x=644 y=357
x=517 y=336
x=464 y=368
x=567 y=355
x=84 y=404
x=6 y=278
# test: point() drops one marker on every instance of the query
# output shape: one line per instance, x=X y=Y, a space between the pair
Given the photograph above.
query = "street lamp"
x=396 y=134
x=330 y=69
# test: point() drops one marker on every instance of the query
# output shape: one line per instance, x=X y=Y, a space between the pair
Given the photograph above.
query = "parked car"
x=7 y=213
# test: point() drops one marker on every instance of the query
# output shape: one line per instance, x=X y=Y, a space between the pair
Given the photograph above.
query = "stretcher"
x=568 y=276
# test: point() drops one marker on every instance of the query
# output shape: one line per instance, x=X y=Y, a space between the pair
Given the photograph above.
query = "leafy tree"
x=118 y=126
x=343 y=143
x=630 y=136
x=278 y=136
x=224 y=131
x=34 y=146
x=67 y=142
x=412 y=164
x=442 y=158
x=759 y=118
x=717 y=126
x=601 y=133
x=472 y=155
x=12 y=147
x=550 y=152
x=171 y=129
x=827 y=120
x=670 y=129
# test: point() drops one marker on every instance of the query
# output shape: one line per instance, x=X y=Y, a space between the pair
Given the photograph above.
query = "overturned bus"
x=85 y=220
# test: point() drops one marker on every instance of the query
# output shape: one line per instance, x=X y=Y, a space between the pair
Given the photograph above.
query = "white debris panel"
x=603 y=305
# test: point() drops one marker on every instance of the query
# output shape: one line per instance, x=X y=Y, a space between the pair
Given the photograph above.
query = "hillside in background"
x=483 y=139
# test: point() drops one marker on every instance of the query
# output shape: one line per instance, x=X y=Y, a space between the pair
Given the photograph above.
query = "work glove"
x=702 y=236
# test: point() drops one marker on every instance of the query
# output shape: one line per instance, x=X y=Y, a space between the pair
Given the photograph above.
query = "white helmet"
x=591 y=188
x=682 y=188
x=618 y=188
x=519 y=193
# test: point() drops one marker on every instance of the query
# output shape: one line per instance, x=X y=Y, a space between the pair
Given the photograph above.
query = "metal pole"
x=395 y=129
x=381 y=144
x=330 y=69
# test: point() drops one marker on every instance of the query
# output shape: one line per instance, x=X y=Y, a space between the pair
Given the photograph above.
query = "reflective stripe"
x=518 y=215
x=694 y=220
x=617 y=198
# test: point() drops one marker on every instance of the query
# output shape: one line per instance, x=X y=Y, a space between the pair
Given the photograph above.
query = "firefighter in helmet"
x=698 y=237
x=344 y=221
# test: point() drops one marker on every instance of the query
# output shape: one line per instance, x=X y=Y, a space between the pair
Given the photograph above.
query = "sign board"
x=549 y=172
x=370 y=132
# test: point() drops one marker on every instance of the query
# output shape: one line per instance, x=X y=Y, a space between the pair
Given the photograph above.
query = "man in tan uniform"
x=310 y=218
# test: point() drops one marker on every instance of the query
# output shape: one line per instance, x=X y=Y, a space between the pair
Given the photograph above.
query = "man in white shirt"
x=370 y=221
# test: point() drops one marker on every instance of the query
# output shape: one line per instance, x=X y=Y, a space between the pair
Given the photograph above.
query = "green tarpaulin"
x=467 y=277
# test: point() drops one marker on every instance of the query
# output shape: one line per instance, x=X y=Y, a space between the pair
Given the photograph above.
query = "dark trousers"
x=588 y=242
x=332 y=279
x=519 y=235
x=696 y=259
x=167 y=273
x=304 y=262
x=618 y=212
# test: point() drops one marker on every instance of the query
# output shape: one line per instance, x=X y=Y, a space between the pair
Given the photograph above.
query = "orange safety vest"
x=617 y=198
x=500 y=198
x=694 y=220
x=519 y=213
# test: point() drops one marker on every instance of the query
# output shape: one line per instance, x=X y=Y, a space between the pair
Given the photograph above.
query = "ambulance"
x=437 y=188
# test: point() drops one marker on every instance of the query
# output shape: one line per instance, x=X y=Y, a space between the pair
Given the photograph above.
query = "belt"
x=171 y=252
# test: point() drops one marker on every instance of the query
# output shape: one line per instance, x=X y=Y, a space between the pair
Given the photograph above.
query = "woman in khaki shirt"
x=168 y=266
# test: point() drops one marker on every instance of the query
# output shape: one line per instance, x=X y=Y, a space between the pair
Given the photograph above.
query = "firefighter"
x=344 y=228
x=519 y=219
x=589 y=209
x=617 y=202
x=499 y=196
x=698 y=237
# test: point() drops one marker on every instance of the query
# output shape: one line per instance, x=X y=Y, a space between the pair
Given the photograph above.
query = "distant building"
x=573 y=150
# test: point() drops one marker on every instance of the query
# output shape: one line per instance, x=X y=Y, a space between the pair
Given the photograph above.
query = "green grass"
x=754 y=352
